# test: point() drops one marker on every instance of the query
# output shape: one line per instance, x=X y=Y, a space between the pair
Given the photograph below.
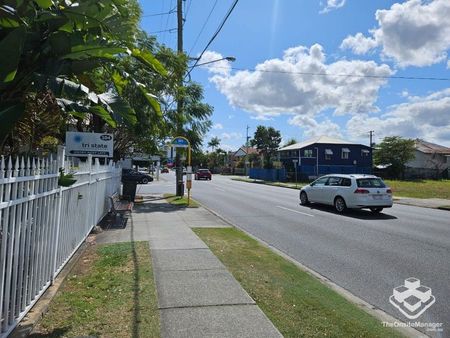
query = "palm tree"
x=214 y=143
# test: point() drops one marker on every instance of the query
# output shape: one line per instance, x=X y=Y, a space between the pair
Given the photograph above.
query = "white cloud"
x=421 y=117
x=222 y=67
x=332 y=5
x=217 y=126
x=312 y=128
x=448 y=64
x=286 y=86
x=359 y=44
x=413 y=33
x=231 y=136
x=227 y=147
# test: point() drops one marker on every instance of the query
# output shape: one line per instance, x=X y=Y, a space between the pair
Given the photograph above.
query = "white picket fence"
x=42 y=225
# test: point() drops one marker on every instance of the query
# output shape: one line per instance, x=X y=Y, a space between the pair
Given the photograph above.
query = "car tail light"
x=361 y=191
x=389 y=191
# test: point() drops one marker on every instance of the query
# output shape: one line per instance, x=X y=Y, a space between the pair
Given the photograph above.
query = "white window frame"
x=344 y=154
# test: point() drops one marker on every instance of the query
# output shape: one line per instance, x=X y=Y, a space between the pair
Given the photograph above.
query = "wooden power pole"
x=179 y=170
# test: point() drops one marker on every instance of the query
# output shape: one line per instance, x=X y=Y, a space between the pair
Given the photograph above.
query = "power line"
x=215 y=34
x=170 y=30
x=187 y=10
x=167 y=21
x=159 y=14
x=203 y=27
x=340 y=75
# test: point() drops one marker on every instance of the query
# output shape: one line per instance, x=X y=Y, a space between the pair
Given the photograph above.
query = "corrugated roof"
x=319 y=140
x=431 y=148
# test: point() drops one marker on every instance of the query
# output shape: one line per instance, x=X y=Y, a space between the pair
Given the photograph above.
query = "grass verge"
x=414 y=189
x=296 y=302
x=421 y=189
x=180 y=201
x=110 y=293
x=290 y=185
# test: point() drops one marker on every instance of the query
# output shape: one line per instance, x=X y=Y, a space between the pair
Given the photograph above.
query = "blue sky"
x=283 y=48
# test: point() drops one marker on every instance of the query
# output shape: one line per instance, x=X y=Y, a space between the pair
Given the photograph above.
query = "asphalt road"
x=366 y=254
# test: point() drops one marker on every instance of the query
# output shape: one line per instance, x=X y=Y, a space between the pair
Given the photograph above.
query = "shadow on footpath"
x=136 y=281
x=352 y=213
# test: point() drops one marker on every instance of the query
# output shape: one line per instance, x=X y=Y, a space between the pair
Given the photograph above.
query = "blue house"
x=326 y=155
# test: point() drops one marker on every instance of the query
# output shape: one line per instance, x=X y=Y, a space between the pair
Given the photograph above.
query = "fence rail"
x=42 y=225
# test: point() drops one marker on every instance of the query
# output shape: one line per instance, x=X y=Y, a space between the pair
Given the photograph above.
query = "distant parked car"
x=133 y=175
x=164 y=170
x=348 y=191
x=203 y=174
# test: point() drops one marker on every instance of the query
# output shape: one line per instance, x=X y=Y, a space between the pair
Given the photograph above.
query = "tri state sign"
x=84 y=144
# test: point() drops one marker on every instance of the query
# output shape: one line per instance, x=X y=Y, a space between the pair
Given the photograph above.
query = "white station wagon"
x=348 y=191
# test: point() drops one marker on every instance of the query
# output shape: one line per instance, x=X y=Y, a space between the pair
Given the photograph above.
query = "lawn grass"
x=296 y=302
x=415 y=189
x=110 y=293
x=421 y=188
x=180 y=201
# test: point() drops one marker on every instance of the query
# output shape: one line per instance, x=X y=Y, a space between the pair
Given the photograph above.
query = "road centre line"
x=298 y=212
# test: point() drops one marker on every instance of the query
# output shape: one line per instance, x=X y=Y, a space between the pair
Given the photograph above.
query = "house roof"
x=316 y=140
x=247 y=150
x=431 y=148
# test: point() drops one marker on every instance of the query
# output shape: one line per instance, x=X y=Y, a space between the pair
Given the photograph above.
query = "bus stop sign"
x=180 y=142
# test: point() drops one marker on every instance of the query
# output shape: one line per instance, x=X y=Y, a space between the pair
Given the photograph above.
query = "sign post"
x=295 y=166
x=182 y=142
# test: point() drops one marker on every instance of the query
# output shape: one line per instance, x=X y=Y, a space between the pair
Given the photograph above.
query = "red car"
x=203 y=174
x=164 y=171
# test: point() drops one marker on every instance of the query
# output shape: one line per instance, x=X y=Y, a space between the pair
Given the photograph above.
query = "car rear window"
x=203 y=170
x=370 y=183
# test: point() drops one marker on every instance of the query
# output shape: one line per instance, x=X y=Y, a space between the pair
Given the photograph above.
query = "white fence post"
x=41 y=225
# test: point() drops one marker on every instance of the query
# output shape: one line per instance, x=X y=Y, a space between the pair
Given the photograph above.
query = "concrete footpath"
x=197 y=296
x=434 y=203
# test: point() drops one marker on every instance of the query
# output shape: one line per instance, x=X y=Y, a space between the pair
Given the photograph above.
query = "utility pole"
x=179 y=171
x=371 y=132
x=246 y=151
x=180 y=25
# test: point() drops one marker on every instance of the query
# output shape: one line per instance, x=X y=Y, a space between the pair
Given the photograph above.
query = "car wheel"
x=303 y=198
x=339 y=204
x=376 y=210
x=144 y=180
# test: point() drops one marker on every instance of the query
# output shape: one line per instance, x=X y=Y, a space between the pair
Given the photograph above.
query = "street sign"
x=84 y=144
x=180 y=142
x=189 y=170
x=295 y=161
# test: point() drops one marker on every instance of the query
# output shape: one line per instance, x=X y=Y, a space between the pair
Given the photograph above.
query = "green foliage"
x=396 y=151
x=65 y=180
x=290 y=142
x=255 y=160
x=214 y=143
x=71 y=49
x=267 y=141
